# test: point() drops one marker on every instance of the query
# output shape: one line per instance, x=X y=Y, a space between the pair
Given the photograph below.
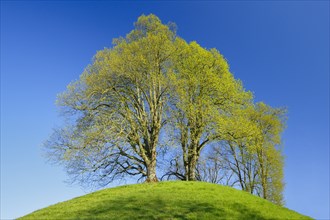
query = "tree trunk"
x=186 y=168
x=264 y=186
x=151 y=166
x=151 y=172
x=192 y=165
x=185 y=162
x=263 y=175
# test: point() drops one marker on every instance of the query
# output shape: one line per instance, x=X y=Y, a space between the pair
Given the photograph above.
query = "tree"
x=212 y=167
x=116 y=110
x=271 y=122
x=151 y=87
x=251 y=148
x=238 y=135
x=204 y=89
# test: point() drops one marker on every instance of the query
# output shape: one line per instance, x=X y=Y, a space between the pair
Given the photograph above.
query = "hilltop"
x=167 y=200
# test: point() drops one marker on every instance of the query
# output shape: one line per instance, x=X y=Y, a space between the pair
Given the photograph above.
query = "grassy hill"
x=166 y=200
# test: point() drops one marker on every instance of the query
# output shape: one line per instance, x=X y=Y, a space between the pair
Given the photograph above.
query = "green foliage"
x=271 y=122
x=203 y=91
x=251 y=147
x=166 y=200
x=118 y=109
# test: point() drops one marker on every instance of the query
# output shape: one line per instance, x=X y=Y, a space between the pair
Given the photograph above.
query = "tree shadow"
x=154 y=208
x=132 y=207
x=246 y=213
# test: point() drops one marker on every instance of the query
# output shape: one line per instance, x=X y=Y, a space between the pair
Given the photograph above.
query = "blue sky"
x=280 y=50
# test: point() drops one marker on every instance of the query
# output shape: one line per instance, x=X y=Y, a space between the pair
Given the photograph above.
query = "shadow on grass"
x=156 y=208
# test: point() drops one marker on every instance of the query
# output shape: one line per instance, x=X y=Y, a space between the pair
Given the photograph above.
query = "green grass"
x=167 y=200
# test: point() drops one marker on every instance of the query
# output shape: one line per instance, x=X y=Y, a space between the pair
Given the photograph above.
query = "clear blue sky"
x=280 y=50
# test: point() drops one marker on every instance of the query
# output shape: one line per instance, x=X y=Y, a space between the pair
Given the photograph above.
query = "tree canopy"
x=151 y=87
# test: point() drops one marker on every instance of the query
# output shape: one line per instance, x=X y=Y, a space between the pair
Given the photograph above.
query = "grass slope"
x=167 y=200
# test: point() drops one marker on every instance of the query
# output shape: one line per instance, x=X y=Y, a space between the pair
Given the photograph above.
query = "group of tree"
x=153 y=94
